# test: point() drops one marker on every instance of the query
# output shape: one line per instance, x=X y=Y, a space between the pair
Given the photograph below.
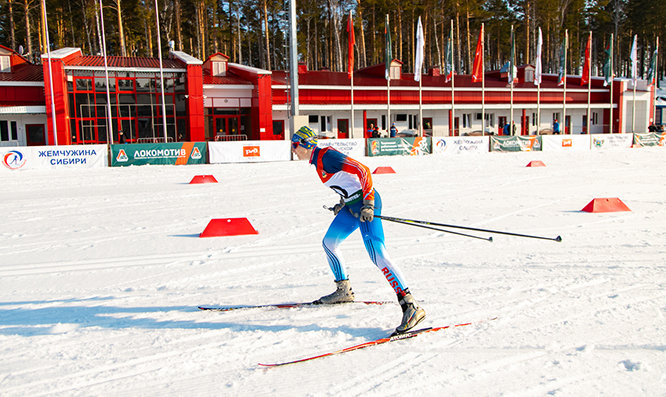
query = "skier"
x=352 y=181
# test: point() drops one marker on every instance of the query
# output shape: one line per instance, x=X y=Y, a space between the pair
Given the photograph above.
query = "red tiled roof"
x=492 y=80
x=24 y=72
x=125 y=62
x=229 y=79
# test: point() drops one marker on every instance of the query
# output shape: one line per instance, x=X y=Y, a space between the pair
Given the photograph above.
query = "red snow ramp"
x=228 y=227
x=203 y=179
x=536 y=164
x=384 y=170
x=606 y=205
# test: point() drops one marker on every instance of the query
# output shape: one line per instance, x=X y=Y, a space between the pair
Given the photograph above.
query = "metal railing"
x=154 y=140
x=228 y=138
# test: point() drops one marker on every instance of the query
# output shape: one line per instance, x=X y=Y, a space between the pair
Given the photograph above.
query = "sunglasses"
x=295 y=144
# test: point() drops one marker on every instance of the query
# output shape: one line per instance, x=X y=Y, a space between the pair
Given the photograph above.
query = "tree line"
x=255 y=33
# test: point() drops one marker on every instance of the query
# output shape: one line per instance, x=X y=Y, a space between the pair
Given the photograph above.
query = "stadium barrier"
x=182 y=153
x=53 y=157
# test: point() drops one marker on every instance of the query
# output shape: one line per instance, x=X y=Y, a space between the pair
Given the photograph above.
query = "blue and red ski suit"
x=353 y=182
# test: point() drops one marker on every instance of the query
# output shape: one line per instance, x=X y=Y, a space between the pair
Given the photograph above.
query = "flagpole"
x=419 y=65
x=656 y=82
x=109 y=134
x=159 y=56
x=483 y=82
x=388 y=60
x=611 y=103
x=350 y=67
x=634 y=78
x=564 y=92
x=48 y=51
x=612 y=75
x=420 y=109
x=538 y=80
x=633 y=116
x=352 y=105
x=589 y=84
x=511 y=61
x=453 y=75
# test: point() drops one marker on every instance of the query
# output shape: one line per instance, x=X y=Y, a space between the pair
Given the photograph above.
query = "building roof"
x=97 y=61
x=229 y=79
x=371 y=76
x=25 y=72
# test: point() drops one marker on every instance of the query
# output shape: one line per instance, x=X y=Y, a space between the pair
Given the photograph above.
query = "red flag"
x=585 y=78
x=477 y=67
x=352 y=41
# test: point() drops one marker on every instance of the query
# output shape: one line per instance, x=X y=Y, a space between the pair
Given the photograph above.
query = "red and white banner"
x=249 y=151
x=565 y=142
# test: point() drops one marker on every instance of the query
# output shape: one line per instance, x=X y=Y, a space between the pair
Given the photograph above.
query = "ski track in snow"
x=101 y=271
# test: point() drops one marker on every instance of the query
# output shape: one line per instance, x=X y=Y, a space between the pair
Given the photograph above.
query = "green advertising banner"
x=158 y=153
x=416 y=146
x=650 y=139
x=515 y=143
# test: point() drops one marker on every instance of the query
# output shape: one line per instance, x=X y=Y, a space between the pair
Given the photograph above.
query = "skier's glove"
x=367 y=211
x=339 y=206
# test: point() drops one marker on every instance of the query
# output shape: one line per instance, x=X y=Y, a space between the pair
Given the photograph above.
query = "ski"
x=380 y=341
x=288 y=305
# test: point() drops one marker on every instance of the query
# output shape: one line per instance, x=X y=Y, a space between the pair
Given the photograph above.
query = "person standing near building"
x=556 y=127
x=359 y=205
x=375 y=133
x=394 y=130
x=371 y=130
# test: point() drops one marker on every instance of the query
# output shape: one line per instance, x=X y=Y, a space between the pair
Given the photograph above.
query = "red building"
x=22 y=111
x=459 y=107
x=219 y=100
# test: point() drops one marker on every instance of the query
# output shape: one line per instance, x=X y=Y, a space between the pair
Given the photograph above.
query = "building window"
x=395 y=72
x=5 y=64
x=136 y=106
x=529 y=75
x=278 y=127
x=219 y=68
x=8 y=131
x=467 y=120
x=490 y=119
x=313 y=119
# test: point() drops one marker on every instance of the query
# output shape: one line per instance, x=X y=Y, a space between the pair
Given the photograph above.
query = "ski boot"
x=412 y=313
x=343 y=294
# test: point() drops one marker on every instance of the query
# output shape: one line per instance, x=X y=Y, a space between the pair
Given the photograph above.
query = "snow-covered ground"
x=101 y=272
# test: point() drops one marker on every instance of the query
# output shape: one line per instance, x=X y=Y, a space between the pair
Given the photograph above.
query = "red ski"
x=406 y=335
x=289 y=305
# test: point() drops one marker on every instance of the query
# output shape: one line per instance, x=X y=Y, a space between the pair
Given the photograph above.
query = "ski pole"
x=419 y=223
x=489 y=239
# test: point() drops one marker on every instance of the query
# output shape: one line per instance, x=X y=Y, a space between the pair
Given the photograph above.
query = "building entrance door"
x=34 y=134
x=226 y=126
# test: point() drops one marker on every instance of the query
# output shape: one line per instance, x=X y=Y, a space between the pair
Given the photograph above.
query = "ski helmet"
x=305 y=137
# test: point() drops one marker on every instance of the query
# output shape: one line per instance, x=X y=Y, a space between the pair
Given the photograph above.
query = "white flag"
x=537 y=67
x=634 y=61
x=418 y=58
